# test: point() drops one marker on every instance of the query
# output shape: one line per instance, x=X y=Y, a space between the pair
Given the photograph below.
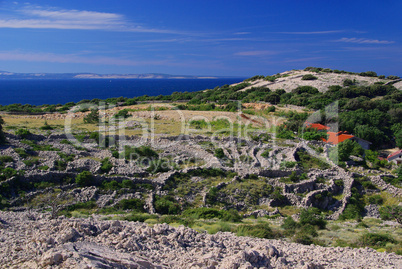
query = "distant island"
x=11 y=75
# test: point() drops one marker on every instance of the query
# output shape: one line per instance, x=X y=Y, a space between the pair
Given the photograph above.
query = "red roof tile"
x=336 y=138
x=395 y=153
x=317 y=126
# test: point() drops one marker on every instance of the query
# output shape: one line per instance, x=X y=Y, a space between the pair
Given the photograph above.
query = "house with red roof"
x=336 y=138
x=395 y=157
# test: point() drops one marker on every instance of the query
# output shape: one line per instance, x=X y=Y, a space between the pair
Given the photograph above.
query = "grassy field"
x=142 y=120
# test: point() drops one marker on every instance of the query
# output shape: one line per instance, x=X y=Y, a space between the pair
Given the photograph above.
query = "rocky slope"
x=32 y=240
x=290 y=80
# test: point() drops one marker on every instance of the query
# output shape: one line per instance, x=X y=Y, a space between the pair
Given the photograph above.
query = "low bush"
x=106 y=165
x=122 y=114
x=131 y=204
x=146 y=152
x=391 y=213
x=309 y=77
x=219 y=153
x=376 y=200
x=43 y=185
x=261 y=230
x=290 y=224
x=46 y=126
x=203 y=213
x=157 y=166
x=23 y=133
x=374 y=240
x=312 y=216
x=139 y=217
x=166 y=205
x=6 y=159
x=231 y=215
x=85 y=179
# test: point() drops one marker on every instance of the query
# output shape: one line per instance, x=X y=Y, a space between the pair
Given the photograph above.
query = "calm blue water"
x=58 y=91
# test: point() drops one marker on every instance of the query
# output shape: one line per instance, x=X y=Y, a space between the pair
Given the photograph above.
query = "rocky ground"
x=32 y=240
x=292 y=79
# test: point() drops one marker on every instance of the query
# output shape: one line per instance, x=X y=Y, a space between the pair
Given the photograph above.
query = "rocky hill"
x=290 y=80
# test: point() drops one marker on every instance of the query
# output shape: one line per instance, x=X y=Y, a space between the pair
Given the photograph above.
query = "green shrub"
x=43 y=185
x=261 y=230
x=376 y=200
x=92 y=117
x=351 y=211
x=277 y=195
x=106 y=165
x=126 y=183
x=139 y=217
x=46 y=126
x=198 y=124
x=202 y=213
x=23 y=133
x=286 y=164
x=122 y=114
x=7 y=173
x=339 y=182
x=348 y=82
x=6 y=159
x=44 y=167
x=131 y=204
x=111 y=185
x=166 y=205
x=82 y=205
x=375 y=240
x=156 y=166
x=85 y=179
x=305 y=234
x=391 y=213
x=212 y=196
x=219 y=153
x=266 y=152
x=290 y=224
x=231 y=215
x=312 y=216
x=309 y=77
x=132 y=153
x=31 y=162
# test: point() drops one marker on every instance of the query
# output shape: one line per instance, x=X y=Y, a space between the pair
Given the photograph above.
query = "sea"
x=61 y=91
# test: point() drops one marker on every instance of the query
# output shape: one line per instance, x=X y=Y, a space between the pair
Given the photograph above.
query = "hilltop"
x=290 y=80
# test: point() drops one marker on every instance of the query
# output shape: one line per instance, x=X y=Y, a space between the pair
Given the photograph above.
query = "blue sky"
x=226 y=38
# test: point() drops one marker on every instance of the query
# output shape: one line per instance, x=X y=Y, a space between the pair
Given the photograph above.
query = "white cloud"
x=364 y=41
x=36 y=17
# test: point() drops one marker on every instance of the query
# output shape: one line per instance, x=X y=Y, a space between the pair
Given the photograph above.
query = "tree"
x=84 y=179
x=2 y=136
x=92 y=117
x=372 y=134
x=55 y=199
x=398 y=139
x=343 y=150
